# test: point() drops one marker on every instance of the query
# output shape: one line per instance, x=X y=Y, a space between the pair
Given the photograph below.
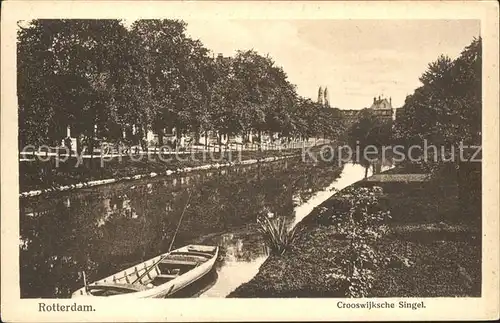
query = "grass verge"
x=433 y=249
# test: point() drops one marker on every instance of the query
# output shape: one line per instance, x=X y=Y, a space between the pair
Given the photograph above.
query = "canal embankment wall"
x=129 y=170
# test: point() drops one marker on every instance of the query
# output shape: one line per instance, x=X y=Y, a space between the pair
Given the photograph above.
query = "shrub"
x=362 y=225
x=276 y=234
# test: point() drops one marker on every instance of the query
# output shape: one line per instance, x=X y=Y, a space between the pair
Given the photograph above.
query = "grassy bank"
x=432 y=248
x=39 y=174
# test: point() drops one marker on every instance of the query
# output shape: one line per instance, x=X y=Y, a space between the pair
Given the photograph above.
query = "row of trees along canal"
x=102 y=78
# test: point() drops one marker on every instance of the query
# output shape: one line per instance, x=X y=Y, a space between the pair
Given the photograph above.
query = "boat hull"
x=161 y=291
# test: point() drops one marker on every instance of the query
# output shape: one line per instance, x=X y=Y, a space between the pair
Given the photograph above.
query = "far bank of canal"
x=104 y=229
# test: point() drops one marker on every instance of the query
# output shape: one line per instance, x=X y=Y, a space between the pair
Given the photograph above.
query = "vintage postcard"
x=249 y=161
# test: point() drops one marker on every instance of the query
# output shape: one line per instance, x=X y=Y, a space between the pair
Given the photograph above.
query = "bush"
x=362 y=226
x=276 y=234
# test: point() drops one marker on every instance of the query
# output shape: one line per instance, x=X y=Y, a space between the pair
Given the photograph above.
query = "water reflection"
x=351 y=173
x=104 y=229
x=245 y=251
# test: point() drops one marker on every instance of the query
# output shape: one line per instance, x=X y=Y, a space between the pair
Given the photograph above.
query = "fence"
x=46 y=152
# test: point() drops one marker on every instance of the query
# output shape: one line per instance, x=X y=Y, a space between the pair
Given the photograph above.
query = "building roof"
x=381 y=104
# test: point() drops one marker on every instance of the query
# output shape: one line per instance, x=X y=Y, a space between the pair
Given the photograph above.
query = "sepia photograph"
x=187 y=157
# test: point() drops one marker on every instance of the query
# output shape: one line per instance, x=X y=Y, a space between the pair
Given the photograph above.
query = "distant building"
x=381 y=108
x=327 y=98
x=320 y=96
x=349 y=117
x=323 y=97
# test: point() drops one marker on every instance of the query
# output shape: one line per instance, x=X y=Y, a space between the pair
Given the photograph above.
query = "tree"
x=266 y=92
x=369 y=131
x=446 y=109
x=163 y=48
x=78 y=62
x=109 y=82
x=39 y=111
x=227 y=110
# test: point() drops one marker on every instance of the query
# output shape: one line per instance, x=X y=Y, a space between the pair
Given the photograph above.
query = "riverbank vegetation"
x=426 y=249
x=276 y=233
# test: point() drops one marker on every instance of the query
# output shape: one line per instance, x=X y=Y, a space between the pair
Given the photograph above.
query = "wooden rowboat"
x=158 y=277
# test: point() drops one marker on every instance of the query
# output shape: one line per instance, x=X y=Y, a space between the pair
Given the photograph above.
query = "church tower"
x=327 y=99
x=320 y=96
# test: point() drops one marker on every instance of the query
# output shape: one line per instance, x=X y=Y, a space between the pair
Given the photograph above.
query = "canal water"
x=105 y=229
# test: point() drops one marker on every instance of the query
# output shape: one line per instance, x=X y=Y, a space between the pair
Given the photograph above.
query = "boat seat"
x=167 y=276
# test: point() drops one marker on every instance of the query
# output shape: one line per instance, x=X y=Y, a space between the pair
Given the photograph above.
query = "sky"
x=356 y=59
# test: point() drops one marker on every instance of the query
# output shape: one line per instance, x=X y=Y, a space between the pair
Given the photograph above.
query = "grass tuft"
x=276 y=234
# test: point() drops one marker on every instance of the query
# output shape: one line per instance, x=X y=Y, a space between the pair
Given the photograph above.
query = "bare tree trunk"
x=144 y=138
x=219 y=141
x=91 y=146
x=178 y=133
x=160 y=137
